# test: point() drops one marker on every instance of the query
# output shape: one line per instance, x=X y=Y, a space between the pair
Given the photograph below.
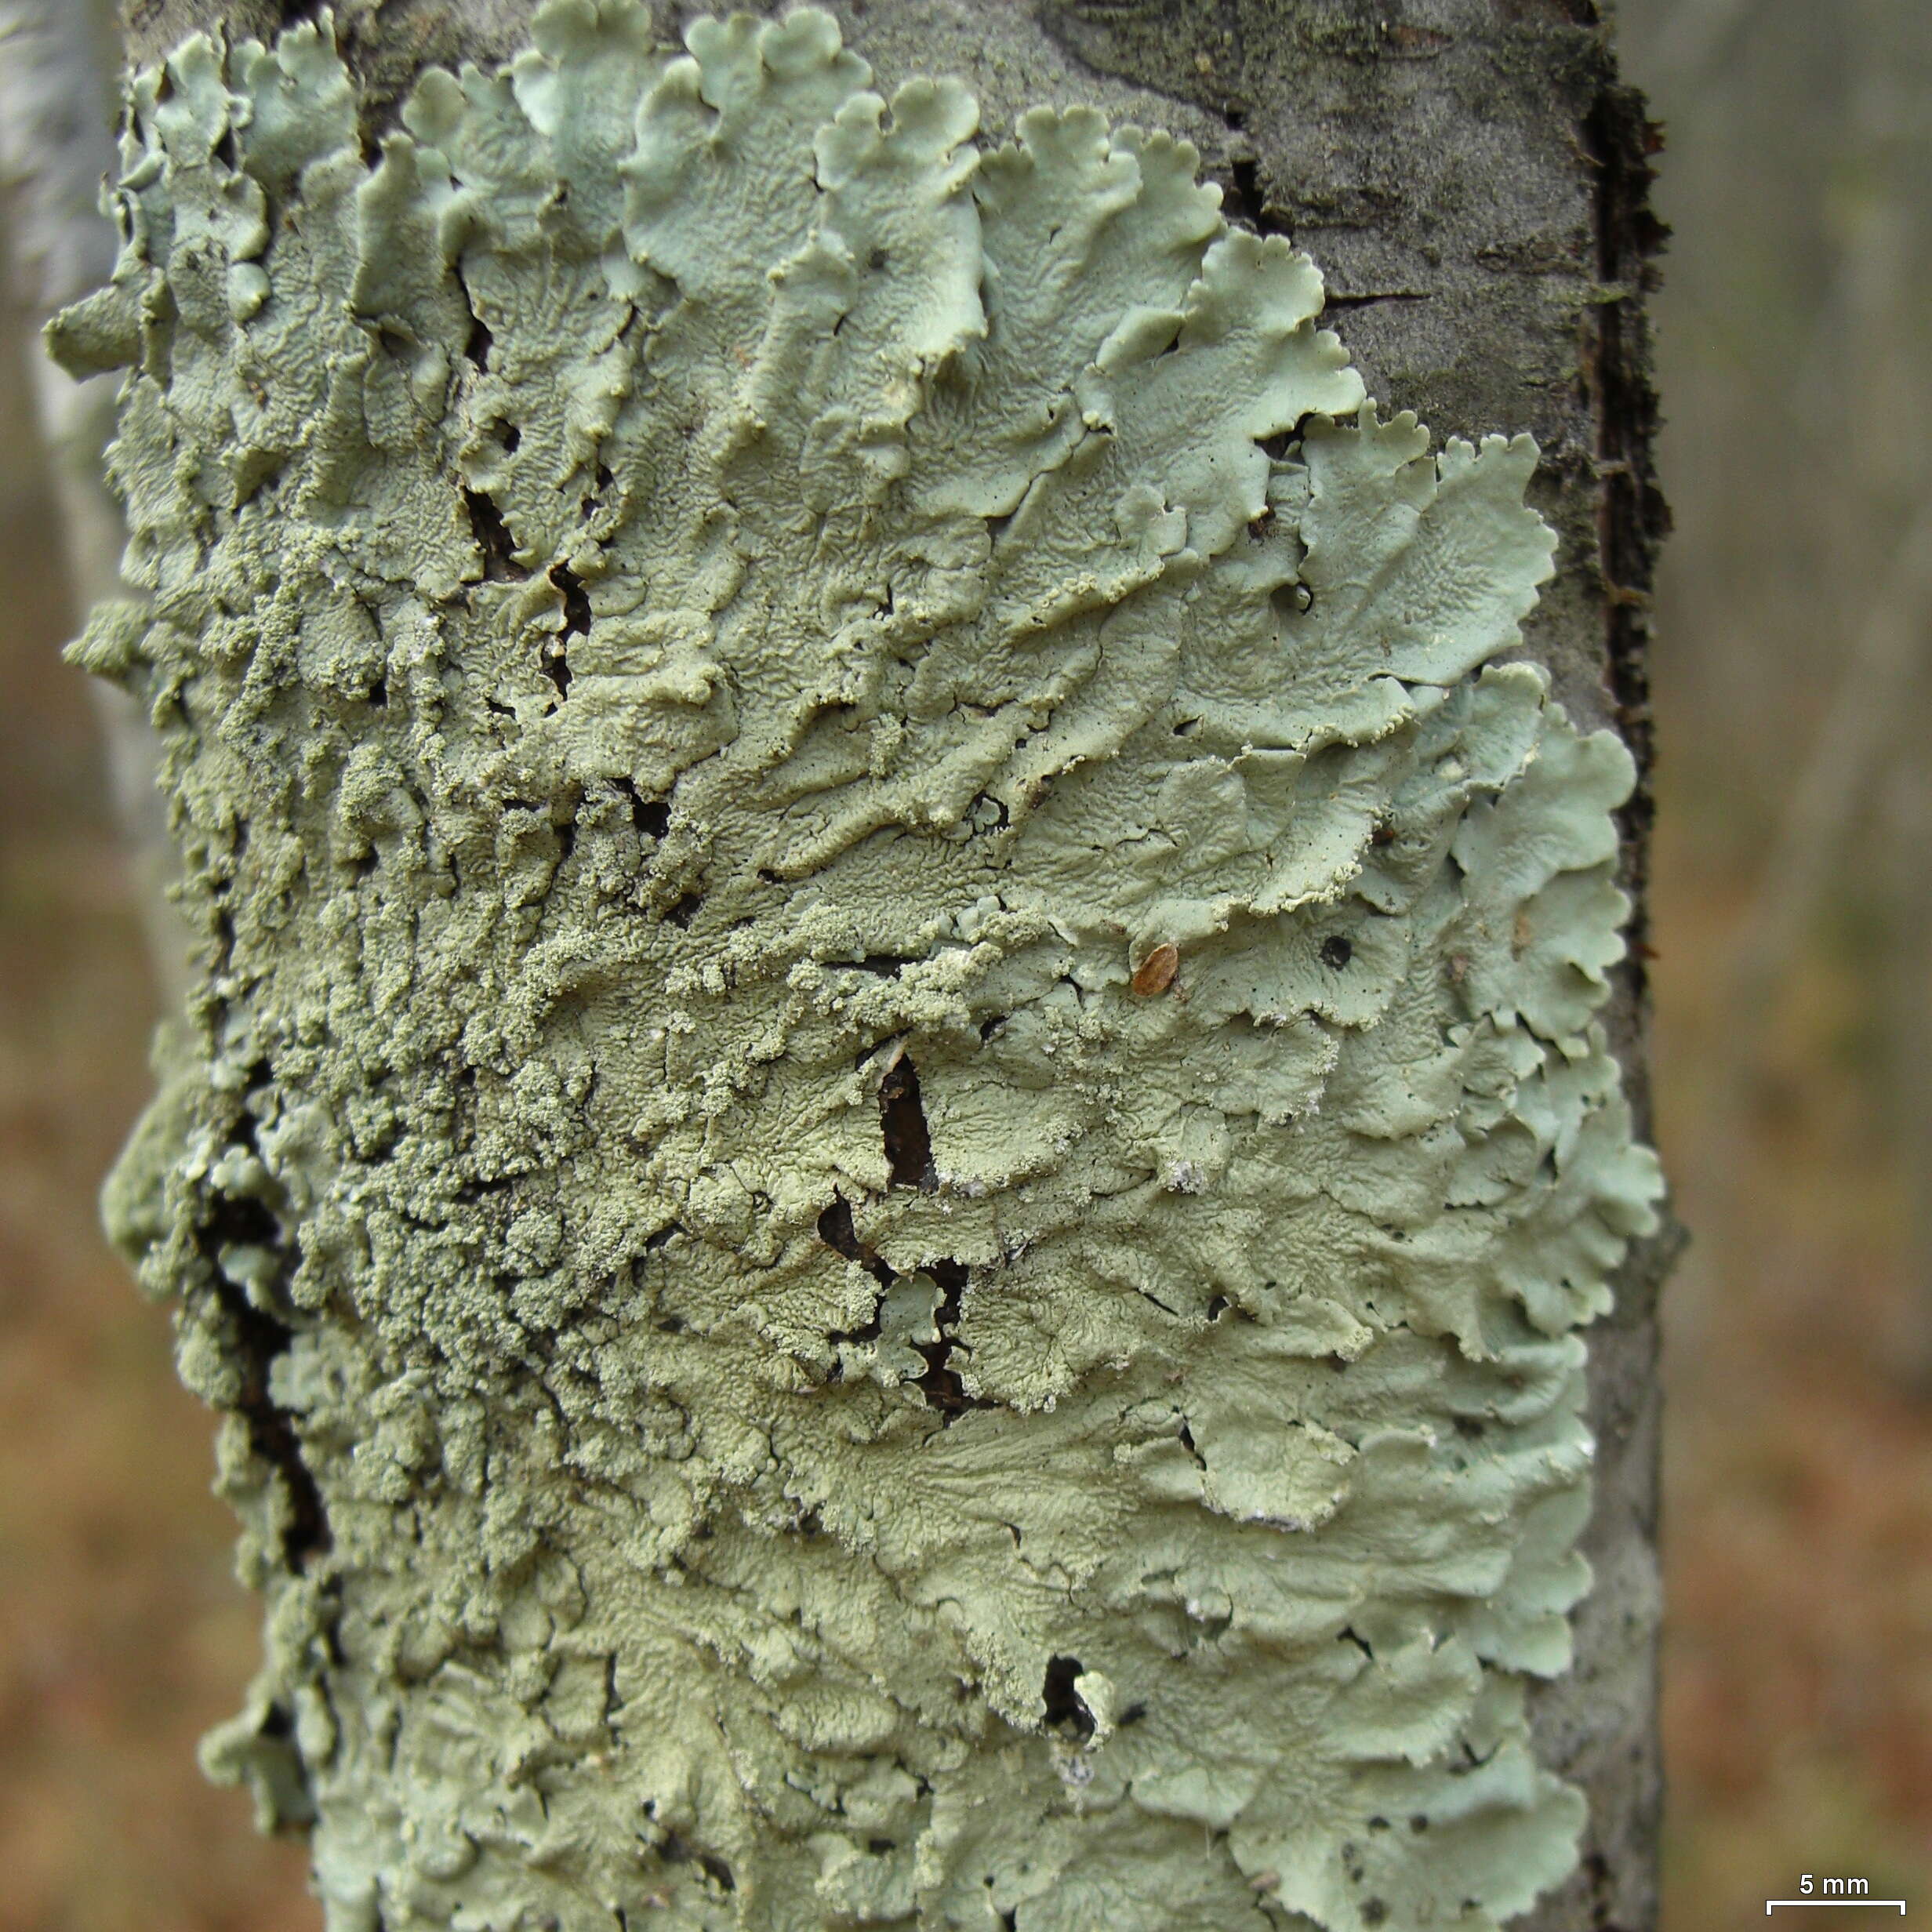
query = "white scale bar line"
x=1771 y=1904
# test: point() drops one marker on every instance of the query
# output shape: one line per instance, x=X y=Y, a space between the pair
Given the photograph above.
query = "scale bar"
x=1771 y=1904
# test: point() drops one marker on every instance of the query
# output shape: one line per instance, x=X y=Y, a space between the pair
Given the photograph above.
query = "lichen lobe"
x=894 y=1132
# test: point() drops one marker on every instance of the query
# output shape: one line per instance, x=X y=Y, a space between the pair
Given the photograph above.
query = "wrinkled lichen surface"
x=893 y=1134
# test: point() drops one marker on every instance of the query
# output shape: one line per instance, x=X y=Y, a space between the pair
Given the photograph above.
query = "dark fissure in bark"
x=910 y=1163
x=576 y=624
x=651 y=816
x=908 y=1160
x=259 y=1338
x=1065 y=1708
x=677 y=1849
x=493 y=538
x=476 y=349
x=908 y=1140
x=940 y=1384
x=837 y=1231
x=1245 y=200
x=1633 y=518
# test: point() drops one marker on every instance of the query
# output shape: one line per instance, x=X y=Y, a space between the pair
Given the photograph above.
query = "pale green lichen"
x=704 y=628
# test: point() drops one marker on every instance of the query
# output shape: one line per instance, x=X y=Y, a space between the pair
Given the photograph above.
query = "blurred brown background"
x=1793 y=920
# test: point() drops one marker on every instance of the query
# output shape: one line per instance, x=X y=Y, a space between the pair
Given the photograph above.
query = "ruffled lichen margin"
x=894 y=1130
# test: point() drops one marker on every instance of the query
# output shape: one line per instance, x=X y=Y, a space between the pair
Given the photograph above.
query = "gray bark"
x=1471 y=175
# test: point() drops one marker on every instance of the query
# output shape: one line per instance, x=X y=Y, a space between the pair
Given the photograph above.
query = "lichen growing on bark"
x=893 y=1136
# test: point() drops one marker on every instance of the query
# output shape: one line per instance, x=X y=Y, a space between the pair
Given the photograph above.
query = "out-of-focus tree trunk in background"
x=58 y=60
x=1794 y=681
x=1891 y=489
x=1851 y=819
x=57 y=147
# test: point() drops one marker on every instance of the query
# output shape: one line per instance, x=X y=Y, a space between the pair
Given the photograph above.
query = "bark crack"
x=1632 y=517
x=259 y=1340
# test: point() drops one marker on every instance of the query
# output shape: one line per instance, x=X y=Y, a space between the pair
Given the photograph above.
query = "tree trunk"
x=911 y=1067
x=55 y=150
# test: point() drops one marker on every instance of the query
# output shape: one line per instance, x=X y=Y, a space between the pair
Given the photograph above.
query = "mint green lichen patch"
x=786 y=1365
